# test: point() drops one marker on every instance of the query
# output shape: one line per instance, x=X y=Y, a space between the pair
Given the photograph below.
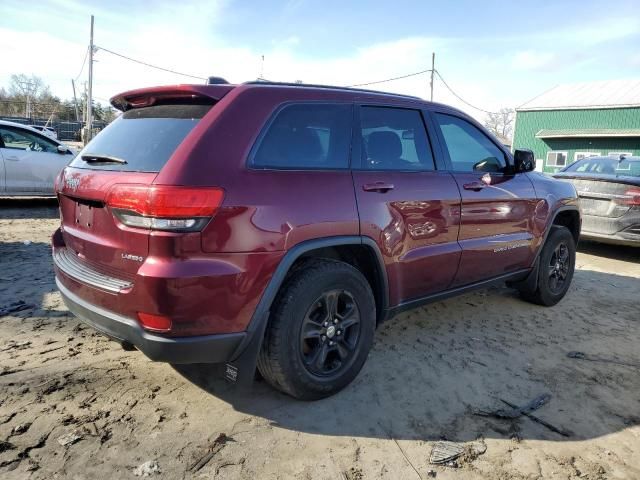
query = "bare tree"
x=29 y=96
x=22 y=85
x=501 y=123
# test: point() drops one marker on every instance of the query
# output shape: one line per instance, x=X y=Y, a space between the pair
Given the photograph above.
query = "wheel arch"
x=568 y=217
x=242 y=366
x=358 y=251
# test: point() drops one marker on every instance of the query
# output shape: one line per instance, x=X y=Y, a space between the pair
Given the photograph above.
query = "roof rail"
x=328 y=87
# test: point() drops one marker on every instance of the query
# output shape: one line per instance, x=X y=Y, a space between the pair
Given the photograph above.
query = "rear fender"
x=241 y=368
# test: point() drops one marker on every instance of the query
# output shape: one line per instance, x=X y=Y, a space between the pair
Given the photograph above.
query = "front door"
x=408 y=206
x=497 y=206
x=31 y=161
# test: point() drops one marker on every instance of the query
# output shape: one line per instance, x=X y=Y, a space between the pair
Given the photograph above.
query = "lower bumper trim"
x=630 y=240
x=218 y=348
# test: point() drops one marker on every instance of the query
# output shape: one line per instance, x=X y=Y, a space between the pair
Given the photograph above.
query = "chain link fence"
x=57 y=116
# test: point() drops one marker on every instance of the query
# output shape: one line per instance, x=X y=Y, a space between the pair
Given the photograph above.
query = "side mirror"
x=63 y=149
x=523 y=161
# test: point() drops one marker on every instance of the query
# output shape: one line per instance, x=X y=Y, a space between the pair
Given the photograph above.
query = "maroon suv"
x=278 y=225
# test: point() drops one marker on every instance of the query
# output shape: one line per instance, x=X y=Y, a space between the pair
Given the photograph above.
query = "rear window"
x=606 y=166
x=143 y=137
x=306 y=136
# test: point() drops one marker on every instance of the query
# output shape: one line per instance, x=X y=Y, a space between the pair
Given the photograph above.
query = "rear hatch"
x=602 y=197
x=106 y=191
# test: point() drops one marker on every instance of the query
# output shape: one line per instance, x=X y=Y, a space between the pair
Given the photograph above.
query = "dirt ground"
x=75 y=405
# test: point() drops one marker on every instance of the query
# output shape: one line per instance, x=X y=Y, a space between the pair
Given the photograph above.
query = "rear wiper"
x=96 y=157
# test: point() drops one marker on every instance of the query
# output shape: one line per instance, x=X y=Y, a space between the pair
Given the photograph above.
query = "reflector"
x=154 y=323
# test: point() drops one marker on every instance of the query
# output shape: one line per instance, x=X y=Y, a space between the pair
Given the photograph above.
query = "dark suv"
x=278 y=225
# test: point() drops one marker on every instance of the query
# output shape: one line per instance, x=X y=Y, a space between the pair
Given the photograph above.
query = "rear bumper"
x=217 y=348
x=624 y=230
x=621 y=238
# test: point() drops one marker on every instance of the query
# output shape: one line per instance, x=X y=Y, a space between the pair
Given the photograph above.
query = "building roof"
x=589 y=132
x=606 y=94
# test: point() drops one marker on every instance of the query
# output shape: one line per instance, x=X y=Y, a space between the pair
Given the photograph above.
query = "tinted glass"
x=19 y=139
x=307 y=136
x=470 y=150
x=394 y=139
x=606 y=166
x=144 y=137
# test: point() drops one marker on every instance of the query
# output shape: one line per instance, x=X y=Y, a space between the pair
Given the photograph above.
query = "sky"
x=492 y=54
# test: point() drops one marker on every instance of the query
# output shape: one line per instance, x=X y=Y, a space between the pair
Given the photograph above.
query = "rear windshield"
x=607 y=166
x=144 y=138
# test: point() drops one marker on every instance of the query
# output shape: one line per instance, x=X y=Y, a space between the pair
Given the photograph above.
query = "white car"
x=29 y=161
x=48 y=131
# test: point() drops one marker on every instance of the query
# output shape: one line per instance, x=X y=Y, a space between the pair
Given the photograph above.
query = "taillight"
x=163 y=207
x=632 y=197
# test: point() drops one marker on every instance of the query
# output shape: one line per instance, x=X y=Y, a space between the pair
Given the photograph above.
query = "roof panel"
x=589 y=132
x=605 y=94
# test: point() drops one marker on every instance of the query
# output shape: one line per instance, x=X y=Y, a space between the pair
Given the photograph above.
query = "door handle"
x=475 y=186
x=379 y=187
x=12 y=159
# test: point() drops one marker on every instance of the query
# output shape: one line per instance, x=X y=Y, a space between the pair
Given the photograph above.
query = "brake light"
x=163 y=207
x=633 y=195
x=154 y=323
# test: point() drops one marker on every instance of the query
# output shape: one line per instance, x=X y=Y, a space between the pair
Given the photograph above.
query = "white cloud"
x=533 y=60
x=604 y=30
x=184 y=37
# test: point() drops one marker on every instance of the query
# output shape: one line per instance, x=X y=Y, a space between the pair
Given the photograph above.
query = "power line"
x=389 y=79
x=86 y=52
x=150 y=65
x=376 y=82
x=462 y=99
x=420 y=73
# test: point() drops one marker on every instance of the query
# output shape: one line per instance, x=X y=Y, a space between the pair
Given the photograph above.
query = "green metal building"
x=570 y=122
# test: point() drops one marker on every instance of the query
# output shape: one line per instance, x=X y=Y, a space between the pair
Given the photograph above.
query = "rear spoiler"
x=145 y=97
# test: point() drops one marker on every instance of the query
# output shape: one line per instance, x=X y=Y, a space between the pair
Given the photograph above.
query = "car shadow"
x=433 y=369
x=28 y=207
x=618 y=252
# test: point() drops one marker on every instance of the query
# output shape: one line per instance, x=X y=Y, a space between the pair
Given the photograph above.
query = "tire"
x=305 y=355
x=555 y=269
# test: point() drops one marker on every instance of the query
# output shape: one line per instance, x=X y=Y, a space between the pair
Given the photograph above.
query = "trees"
x=30 y=96
x=501 y=123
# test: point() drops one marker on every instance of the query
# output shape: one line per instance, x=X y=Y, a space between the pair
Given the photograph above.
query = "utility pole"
x=28 y=87
x=89 y=95
x=433 y=69
x=84 y=110
x=75 y=100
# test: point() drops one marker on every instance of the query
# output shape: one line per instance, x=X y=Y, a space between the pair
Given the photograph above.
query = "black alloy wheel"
x=330 y=333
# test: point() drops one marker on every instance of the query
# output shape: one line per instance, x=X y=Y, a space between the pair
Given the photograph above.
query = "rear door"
x=139 y=142
x=406 y=204
x=32 y=161
x=496 y=230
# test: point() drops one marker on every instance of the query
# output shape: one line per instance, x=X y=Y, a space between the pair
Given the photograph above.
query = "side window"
x=307 y=136
x=470 y=150
x=394 y=139
x=19 y=139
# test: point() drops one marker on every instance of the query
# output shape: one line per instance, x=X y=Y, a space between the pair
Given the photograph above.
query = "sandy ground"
x=75 y=405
